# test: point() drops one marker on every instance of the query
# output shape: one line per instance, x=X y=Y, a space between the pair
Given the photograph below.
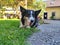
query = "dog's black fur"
x=29 y=13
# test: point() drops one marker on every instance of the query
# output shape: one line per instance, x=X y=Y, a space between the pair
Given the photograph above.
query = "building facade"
x=52 y=9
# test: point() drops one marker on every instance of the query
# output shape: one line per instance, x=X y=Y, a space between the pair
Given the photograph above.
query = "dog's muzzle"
x=32 y=22
x=29 y=22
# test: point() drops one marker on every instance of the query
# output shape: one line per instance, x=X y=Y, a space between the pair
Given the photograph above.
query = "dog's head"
x=30 y=14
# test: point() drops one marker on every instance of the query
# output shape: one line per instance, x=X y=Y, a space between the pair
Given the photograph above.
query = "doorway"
x=45 y=15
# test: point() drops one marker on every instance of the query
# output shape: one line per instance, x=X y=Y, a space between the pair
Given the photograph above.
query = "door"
x=45 y=15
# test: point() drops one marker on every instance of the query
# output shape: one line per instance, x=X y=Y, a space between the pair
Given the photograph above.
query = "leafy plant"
x=52 y=17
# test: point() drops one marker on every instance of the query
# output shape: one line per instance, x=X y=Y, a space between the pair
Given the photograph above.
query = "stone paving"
x=49 y=34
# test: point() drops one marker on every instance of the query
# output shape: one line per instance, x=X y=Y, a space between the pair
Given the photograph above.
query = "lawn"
x=11 y=34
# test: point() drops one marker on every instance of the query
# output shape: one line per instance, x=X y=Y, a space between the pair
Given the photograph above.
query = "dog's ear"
x=37 y=12
x=22 y=9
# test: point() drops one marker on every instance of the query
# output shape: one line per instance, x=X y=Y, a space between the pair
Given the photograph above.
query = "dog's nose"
x=31 y=20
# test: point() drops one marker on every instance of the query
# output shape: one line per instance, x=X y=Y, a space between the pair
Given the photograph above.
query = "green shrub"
x=52 y=17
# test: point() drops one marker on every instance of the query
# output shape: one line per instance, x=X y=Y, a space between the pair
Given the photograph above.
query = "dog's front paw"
x=27 y=26
x=20 y=26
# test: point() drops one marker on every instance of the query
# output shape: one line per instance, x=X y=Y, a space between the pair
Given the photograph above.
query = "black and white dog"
x=29 y=17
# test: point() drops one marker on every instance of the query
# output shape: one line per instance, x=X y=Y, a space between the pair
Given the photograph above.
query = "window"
x=53 y=0
x=53 y=13
x=51 y=3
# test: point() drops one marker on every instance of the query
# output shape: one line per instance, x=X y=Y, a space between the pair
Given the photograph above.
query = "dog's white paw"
x=28 y=27
x=20 y=26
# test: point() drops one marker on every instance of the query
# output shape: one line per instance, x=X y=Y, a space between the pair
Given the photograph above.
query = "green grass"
x=11 y=34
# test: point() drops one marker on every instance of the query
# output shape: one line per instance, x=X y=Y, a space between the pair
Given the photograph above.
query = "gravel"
x=49 y=34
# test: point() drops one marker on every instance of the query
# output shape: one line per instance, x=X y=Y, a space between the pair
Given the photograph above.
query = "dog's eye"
x=32 y=14
x=28 y=14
